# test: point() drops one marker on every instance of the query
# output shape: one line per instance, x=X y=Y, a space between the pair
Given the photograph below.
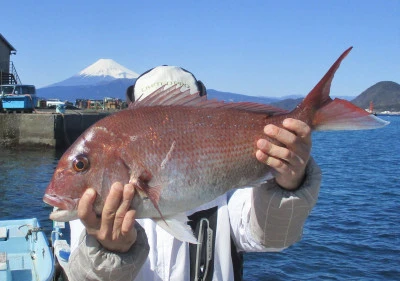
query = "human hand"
x=288 y=161
x=115 y=229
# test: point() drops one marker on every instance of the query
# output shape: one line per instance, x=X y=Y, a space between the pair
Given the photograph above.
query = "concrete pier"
x=45 y=129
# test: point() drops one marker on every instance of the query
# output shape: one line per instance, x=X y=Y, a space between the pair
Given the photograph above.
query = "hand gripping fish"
x=181 y=151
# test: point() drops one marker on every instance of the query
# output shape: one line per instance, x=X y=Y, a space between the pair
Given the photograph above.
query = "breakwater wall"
x=45 y=129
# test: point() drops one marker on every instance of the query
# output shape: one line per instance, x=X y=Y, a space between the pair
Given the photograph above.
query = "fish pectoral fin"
x=151 y=192
x=177 y=226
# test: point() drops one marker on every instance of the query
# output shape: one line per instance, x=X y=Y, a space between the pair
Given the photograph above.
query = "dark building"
x=8 y=74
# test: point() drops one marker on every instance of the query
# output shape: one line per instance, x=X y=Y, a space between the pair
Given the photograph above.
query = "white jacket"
x=265 y=218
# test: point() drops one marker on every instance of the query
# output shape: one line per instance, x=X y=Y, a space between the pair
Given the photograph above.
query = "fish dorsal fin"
x=173 y=96
x=168 y=96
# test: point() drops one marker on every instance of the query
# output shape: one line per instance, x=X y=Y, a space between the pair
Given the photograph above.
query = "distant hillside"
x=116 y=89
x=233 y=97
x=288 y=104
x=385 y=95
x=291 y=103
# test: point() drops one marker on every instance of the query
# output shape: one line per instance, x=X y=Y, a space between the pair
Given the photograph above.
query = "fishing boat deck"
x=24 y=253
x=19 y=268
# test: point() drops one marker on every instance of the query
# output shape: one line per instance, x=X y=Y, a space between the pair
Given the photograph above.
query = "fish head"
x=93 y=161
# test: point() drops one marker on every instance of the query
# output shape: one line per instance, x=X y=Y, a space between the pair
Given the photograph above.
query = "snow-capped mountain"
x=108 y=67
x=104 y=78
x=103 y=70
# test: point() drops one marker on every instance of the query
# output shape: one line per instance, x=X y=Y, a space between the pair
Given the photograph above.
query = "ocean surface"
x=353 y=233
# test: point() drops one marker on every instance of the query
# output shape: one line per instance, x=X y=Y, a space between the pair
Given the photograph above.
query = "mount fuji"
x=104 y=78
x=103 y=70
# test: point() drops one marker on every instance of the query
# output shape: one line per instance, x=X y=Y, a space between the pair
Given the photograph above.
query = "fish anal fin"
x=177 y=226
x=343 y=115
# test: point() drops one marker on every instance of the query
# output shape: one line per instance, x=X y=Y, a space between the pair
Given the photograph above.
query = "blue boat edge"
x=61 y=249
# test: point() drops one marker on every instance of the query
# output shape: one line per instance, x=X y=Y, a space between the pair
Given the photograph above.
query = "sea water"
x=353 y=233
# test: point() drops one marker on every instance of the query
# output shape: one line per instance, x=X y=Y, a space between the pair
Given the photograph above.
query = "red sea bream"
x=181 y=151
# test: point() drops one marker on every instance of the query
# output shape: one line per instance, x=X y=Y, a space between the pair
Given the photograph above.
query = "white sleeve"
x=269 y=218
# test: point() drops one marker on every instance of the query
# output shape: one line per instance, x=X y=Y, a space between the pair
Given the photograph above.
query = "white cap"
x=167 y=76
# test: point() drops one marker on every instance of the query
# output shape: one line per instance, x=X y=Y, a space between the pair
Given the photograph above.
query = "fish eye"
x=80 y=163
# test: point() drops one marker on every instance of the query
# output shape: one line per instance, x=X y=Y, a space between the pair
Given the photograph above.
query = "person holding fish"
x=269 y=217
x=178 y=187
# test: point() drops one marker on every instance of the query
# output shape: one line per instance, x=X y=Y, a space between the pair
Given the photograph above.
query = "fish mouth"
x=61 y=202
x=65 y=207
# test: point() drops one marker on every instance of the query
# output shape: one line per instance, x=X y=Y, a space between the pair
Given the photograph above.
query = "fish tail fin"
x=343 y=115
x=322 y=113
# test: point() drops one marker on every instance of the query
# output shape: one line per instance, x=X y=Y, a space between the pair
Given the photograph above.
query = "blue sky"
x=260 y=48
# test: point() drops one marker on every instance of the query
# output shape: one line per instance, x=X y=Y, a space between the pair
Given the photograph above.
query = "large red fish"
x=181 y=151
